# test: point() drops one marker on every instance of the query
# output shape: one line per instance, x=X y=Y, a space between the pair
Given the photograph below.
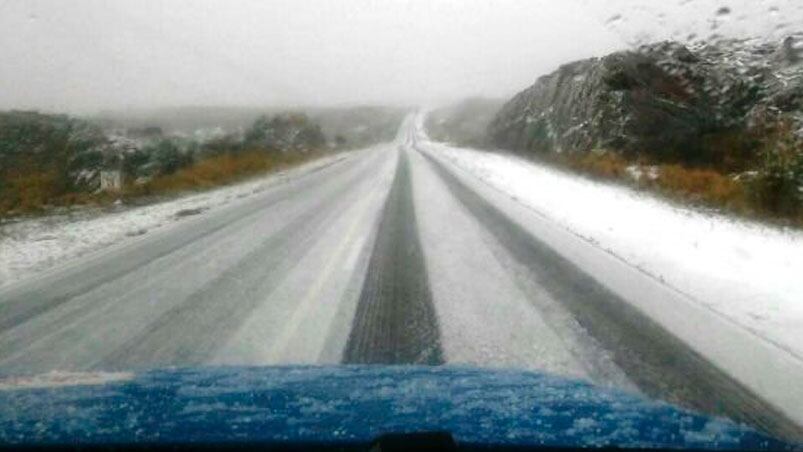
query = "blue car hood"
x=349 y=405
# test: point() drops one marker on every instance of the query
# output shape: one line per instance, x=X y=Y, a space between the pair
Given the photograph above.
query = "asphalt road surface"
x=384 y=257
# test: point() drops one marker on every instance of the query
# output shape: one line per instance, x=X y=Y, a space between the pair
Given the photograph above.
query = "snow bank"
x=748 y=272
x=33 y=245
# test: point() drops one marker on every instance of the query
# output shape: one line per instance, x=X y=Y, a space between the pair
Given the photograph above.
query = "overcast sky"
x=87 y=55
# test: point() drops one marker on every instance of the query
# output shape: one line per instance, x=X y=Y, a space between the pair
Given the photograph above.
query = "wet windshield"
x=522 y=222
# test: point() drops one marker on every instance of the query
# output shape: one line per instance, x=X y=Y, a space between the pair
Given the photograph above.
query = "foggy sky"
x=87 y=55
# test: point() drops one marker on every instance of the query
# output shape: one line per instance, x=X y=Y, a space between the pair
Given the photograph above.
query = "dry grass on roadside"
x=35 y=192
x=604 y=165
x=705 y=187
x=219 y=170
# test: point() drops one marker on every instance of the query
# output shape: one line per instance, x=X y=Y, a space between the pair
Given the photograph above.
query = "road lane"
x=308 y=315
x=488 y=315
x=395 y=322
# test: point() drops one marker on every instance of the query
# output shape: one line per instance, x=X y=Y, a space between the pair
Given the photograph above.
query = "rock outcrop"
x=664 y=99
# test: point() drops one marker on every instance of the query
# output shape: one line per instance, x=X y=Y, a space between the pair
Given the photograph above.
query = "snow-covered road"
x=409 y=252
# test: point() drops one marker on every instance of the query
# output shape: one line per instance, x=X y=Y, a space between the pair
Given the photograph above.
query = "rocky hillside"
x=698 y=105
x=719 y=124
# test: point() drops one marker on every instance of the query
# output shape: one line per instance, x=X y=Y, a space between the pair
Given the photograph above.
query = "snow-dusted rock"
x=661 y=98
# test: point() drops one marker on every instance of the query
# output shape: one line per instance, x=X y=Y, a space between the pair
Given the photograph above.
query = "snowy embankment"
x=750 y=273
x=30 y=246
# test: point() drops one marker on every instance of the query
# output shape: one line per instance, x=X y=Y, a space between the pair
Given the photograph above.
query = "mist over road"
x=388 y=256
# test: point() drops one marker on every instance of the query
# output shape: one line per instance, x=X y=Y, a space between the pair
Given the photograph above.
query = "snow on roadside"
x=751 y=273
x=30 y=246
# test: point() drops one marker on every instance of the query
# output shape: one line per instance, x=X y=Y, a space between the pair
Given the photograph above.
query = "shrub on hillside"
x=777 y=187
x=167 y=158
x=45 y=157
